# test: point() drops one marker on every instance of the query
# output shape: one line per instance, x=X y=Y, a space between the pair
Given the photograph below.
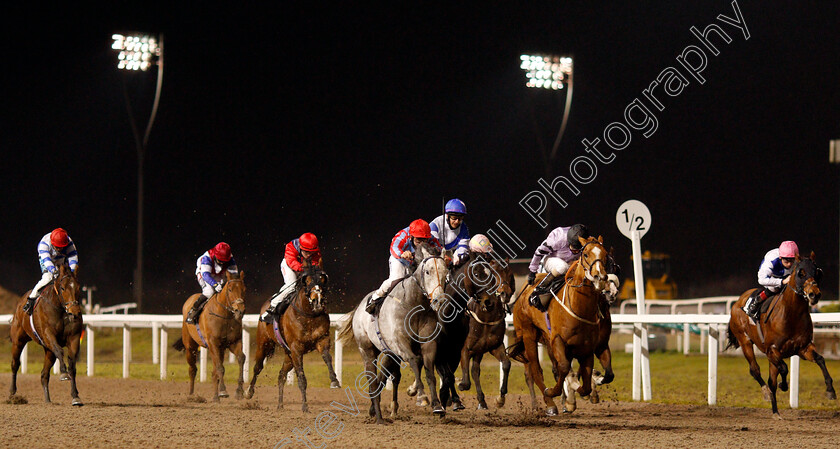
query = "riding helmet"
x=58 y=238
x=574 y=232
x=308 y=242
x=420 y=228
x=222 y=252
x=788 y=249
x=456 y=206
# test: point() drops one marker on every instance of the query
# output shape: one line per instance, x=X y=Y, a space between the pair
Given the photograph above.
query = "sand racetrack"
x=141 y=413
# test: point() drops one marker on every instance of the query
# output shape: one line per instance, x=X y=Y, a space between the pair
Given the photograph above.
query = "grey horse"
x=405 y=330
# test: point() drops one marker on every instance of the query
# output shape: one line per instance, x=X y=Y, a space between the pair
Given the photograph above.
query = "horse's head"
x=314 y=283
x=67 y=288
x=807 y=278
x=489 y=281
x=234 y=292
x=593 y=261
x=431 y=273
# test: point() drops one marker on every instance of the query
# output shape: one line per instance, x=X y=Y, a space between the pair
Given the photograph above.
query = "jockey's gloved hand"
x=54 y=273
x=531 y=278
x=218 y=287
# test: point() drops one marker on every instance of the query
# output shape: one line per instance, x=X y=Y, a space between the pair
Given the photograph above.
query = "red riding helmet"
x=420 y=229
x=308 y=242
x=222 y=252
x=58 y=238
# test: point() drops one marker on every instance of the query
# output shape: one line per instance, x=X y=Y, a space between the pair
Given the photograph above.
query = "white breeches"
x=396 y=271
x=46 y=278
x=206 y=289
x=555 y=266
x=290 y=276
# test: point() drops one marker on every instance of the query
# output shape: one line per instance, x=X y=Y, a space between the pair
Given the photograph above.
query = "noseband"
x=67 y=305
x=421 y=286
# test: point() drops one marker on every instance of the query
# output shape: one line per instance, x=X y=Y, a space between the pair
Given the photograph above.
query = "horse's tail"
x=179 y=345
x=516 y=351
x=733 y=342
x=345 y=330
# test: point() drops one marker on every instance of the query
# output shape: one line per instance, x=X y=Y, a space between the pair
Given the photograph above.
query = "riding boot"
x=196 y=307
x=282 y=307
x=268 y=315
x=27 y=307
x=373 y=304
x=541 y=289
x=753 y=304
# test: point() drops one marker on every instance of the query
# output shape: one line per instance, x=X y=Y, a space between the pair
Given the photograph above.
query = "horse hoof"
x=777 y=416
x=335 y=384
x=438 y=410
x=482 y=406
x=422 y=401
x=458 y=406
x=551 y=411
x=64 y=377
x=381 y=421
x=77 y=402
x=569 y=408
x=464 y=386
x=594 y=399
x=239 y=395
x=224 y=394
x=830 y=395
x=411 y=391
x=216 y=399
x=249 y=393
x=500 y=402
x=305 y=408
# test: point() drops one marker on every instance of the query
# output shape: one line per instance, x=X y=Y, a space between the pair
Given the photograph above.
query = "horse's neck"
x=219 y=302
x=301 y=302
x=793 y=303
x=582 y=294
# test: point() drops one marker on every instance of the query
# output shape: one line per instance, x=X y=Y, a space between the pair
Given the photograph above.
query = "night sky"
x=350 y=121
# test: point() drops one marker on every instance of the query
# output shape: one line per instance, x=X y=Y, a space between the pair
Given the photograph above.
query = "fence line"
x=162 y=323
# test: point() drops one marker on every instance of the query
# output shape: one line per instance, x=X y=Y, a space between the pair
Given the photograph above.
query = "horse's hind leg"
x=534 y=367
x=810 y=353
x=395 y=405
x=499 y=353
x=18 y=345
x=297 y=362
x=281 y=379
x=748 y=350
x=263 y=348
x=324 y=348
x=72 y=357
x=49 y=361
x=771 y=382
x=191 y=351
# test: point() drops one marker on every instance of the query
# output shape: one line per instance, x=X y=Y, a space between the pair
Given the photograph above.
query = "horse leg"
x=529 y=382
x=475 y=371
x=215 y=353
x=51 y=341
x=370 y=355
x=429 y=350
x=281 y=379
x=323 y=347
x=585 y=376
x=810 y=353
x=297 y=362
x=240 y=359
x=417 y=387
x=536 y=371
x=771 y=382
x=222 y=388
x=396 y=384
x=259 y=358
x=72 y=357
x=18 y=345
x=563 y=367
x=464 y=384
x=605 y=357
x=49 y=360
x=191 y=352
x=445 y=390
x=499 y=353
x=748 y=350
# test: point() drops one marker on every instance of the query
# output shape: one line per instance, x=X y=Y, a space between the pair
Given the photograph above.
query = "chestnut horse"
x=785 y=329
x=56 y=322
x=219 y=328
x=304 y=327
x=571 y=328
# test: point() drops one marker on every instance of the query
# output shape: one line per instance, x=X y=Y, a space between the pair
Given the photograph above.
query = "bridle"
x=307 y=291
x=67 y=305
x=420 y=285
x=228 y=305
x=588 y=267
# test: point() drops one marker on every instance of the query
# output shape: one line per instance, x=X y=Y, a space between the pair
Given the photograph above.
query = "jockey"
x=403 y=246
x=556 y=253
x=480 y=244
x=773 y=273
x=210 y=272
x=453 y=234
x=55 y=248
x=298 y=251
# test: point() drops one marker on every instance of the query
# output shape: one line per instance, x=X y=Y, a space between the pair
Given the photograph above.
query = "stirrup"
x=267 y=316
x=372 y=305
x=29 y=305
x=534 y=301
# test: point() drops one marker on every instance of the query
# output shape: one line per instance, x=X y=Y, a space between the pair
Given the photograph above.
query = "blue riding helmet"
x=456 y=206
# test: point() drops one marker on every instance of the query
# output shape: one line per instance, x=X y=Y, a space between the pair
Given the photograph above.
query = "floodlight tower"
x=140 y=52
x=550 y=72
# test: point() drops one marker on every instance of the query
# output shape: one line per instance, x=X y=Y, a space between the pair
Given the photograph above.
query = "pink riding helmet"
x=788 y=248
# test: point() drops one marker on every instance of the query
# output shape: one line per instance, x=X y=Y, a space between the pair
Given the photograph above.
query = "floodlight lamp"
x=546 y=71
x=136 y=52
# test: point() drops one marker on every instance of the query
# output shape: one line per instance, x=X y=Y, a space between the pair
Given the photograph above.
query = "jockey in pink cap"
x=773 y=273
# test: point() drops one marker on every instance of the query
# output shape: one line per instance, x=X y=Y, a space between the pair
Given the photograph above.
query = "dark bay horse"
x=304 y=327
x=56 y=322
x=406 y=329
x=785 y=329
x=571 y=328
x=487 y=284
x=219 y=328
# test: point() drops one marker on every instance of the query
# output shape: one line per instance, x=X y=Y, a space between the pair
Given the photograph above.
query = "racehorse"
x=219 y=327
x=405 y=329
x=784 y=329
x=571 y=328
x=54 y=325
x=304 y=327
x=480 y=328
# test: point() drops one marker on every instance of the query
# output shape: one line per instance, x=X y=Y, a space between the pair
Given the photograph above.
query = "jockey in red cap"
x=300 y=250
x=403 y=246
x=55 y=248
x=210 y=272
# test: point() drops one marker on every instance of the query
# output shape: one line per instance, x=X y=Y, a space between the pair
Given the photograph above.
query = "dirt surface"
x=148 y=414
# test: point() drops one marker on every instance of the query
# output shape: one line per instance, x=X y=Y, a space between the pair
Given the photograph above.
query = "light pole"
x=834 y=158
x=140 y=52
x=549 y=72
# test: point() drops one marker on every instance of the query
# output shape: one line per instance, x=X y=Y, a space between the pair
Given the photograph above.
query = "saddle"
x=764 y=307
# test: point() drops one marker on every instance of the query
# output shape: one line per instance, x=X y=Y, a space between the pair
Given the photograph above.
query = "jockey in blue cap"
x=451 y=231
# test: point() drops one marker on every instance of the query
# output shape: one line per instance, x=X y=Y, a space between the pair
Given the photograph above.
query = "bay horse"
x=783 y=330
x=219 y=327
x=477 y=329
x=570 y=329
x=303 y=327
x=56 y=324
x=405 y=329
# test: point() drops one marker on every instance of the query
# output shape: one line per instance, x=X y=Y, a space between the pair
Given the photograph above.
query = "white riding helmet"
x=480 y=244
